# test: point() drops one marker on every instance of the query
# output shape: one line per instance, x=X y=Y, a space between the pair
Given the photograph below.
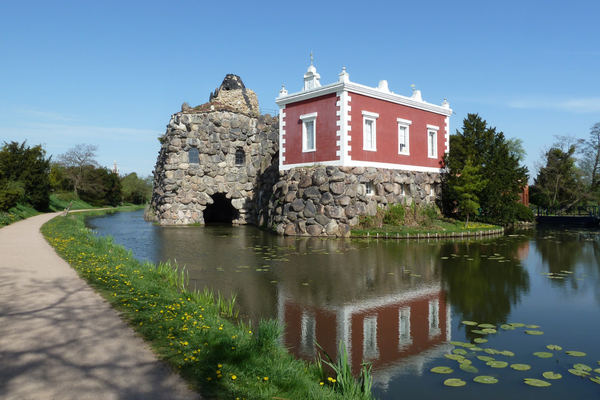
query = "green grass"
x=17 y=213
x=60 y=201
x=194 y=332
x=440 y=227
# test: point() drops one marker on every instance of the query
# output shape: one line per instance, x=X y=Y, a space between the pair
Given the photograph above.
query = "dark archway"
x=221 y=210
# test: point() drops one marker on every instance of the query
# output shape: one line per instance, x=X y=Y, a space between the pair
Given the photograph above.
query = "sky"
x=111 y=73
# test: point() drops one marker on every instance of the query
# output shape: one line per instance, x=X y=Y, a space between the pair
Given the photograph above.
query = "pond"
x=401 y=305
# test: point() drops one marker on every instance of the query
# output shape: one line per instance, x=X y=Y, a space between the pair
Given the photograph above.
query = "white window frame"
x=307 y=119
x=404 y=124
x=369 y=191
x=432 y=148
x=372 y=118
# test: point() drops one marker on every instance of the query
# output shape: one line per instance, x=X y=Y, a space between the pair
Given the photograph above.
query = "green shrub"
x=394 y=215
x=524 y=213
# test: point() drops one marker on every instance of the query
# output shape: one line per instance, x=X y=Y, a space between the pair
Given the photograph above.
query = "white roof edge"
x=363 y=90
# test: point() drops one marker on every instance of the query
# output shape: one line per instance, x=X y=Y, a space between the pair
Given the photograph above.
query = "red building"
x=347 y=124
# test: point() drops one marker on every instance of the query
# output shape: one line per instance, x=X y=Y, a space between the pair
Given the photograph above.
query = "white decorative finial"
x=311 y=58
x=413 y=87
x=283 y=92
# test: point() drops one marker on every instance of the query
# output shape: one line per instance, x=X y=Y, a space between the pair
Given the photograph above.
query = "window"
x=239 y=157
x=370 y=350
x=432 y=192
x=194 y=156
x=434 y=318
x=404 y=338
x=403 y=142
x=369 y=188
x=309 y=134
x=369 y=130
x=432 y=141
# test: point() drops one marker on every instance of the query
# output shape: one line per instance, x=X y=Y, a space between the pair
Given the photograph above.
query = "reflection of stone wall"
x=182 y=190
x=327 y=201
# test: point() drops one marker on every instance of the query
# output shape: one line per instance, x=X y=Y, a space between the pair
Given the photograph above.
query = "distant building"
x=115 y=169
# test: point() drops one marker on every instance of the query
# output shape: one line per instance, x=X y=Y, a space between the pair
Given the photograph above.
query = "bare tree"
x=77 y=161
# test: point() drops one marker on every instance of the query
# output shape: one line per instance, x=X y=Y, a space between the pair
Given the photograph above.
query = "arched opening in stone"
x=221 y=210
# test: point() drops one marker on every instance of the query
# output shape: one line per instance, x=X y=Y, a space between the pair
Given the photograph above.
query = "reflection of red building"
x=383 y=331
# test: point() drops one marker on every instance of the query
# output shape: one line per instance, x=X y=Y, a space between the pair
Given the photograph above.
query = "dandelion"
x=266 y=378
x=233 y=377
x=321 y=383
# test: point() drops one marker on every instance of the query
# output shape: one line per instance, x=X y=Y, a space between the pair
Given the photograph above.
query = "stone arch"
x=221 y=210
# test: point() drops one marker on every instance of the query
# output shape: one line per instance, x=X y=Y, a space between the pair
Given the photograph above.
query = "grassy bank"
x=17 y=213
x=193 y=332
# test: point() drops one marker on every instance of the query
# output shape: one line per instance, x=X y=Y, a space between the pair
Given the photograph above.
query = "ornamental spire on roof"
x=311 y=77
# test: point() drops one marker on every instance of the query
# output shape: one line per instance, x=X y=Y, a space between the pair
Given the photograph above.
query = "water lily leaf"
x=454 y=382
x=507 y=353
x=489 y=330
x=579 y=372
x=543 y=354
x=469 y=368
x=517 y=324
x=491 y=351
x=520 y=367
x=595 y=379
x=532 y=326
x=457 y=343
x=468 y=345
x=487 y=326
x=485 y=379
x=486 y=358
x=480 y=340
x=479 y=332
x=554 y=347
x=551 y=375
x=476 y=348
x=576 y=353
x=465 y=361
x=582 y=367
x=472 y=323
x=497 y=364
x=459 y=351
x=534 y=332
x=442 y=370
x=597 y=370
x=536 y=382
x=453 y=357
x=507 y=327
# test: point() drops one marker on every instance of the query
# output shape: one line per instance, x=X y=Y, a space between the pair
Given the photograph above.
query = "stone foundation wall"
x=327 y=201
x=184 y=189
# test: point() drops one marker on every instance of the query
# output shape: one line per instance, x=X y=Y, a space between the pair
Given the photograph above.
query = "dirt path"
x=59 y=339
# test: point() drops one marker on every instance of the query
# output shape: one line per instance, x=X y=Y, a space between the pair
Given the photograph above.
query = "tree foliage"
x=499 y=166
x=135 y=189
x=24 y=175
x=106 y=187
x=468 y=183
x=78 y=162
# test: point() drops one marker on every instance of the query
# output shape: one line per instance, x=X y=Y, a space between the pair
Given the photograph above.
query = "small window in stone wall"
x=194 y=156
x=240 y=157
x=369 y=187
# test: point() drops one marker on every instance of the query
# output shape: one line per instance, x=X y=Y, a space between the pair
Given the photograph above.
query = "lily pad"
x=554 y=347
x=472 y=323
x=534 y=332
x=487 y=326
x=468 y=368
x=507 y=353
x=597 y=370
x=489 y=330
x=582 y=367
x=465 y=361
x=596 y=380
x=486 y=358
x=543 y=354
x=497 y=364
x=457 y=343
x=459 y=351
x=479 y=332
x=453 y=357
x=517 y=324
x=579 y=372
x=532 y=326
x=507 y=327
x=551 y=375
x=475 y=348
x=520 y=367
x=485 y=379
x=454 y=382
x=491 y=351
x=480 y=340
x=575 y=353
x=468 y=345
x=442 y=370
x=536 y=382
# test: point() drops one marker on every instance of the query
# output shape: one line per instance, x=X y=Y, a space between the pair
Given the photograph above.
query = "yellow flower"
x=233 y=377
x=209 y=379
x=321 y=383
x=266 y=378
x=219 y=365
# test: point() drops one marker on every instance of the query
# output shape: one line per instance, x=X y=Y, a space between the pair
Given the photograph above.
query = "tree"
x=77 y=162
x=24 y=175
x=557 y=183
x=468 y=184
x=106 y=187
x=499 y=166
x=136 y=190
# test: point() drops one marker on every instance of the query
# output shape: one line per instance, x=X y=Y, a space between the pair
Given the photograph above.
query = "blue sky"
x=111 y=73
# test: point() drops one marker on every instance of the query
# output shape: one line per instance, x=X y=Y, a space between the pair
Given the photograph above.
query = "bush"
x=524 y=213
x=394 y=215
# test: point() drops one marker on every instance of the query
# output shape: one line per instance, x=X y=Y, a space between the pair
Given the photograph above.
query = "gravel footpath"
x=59 y=339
